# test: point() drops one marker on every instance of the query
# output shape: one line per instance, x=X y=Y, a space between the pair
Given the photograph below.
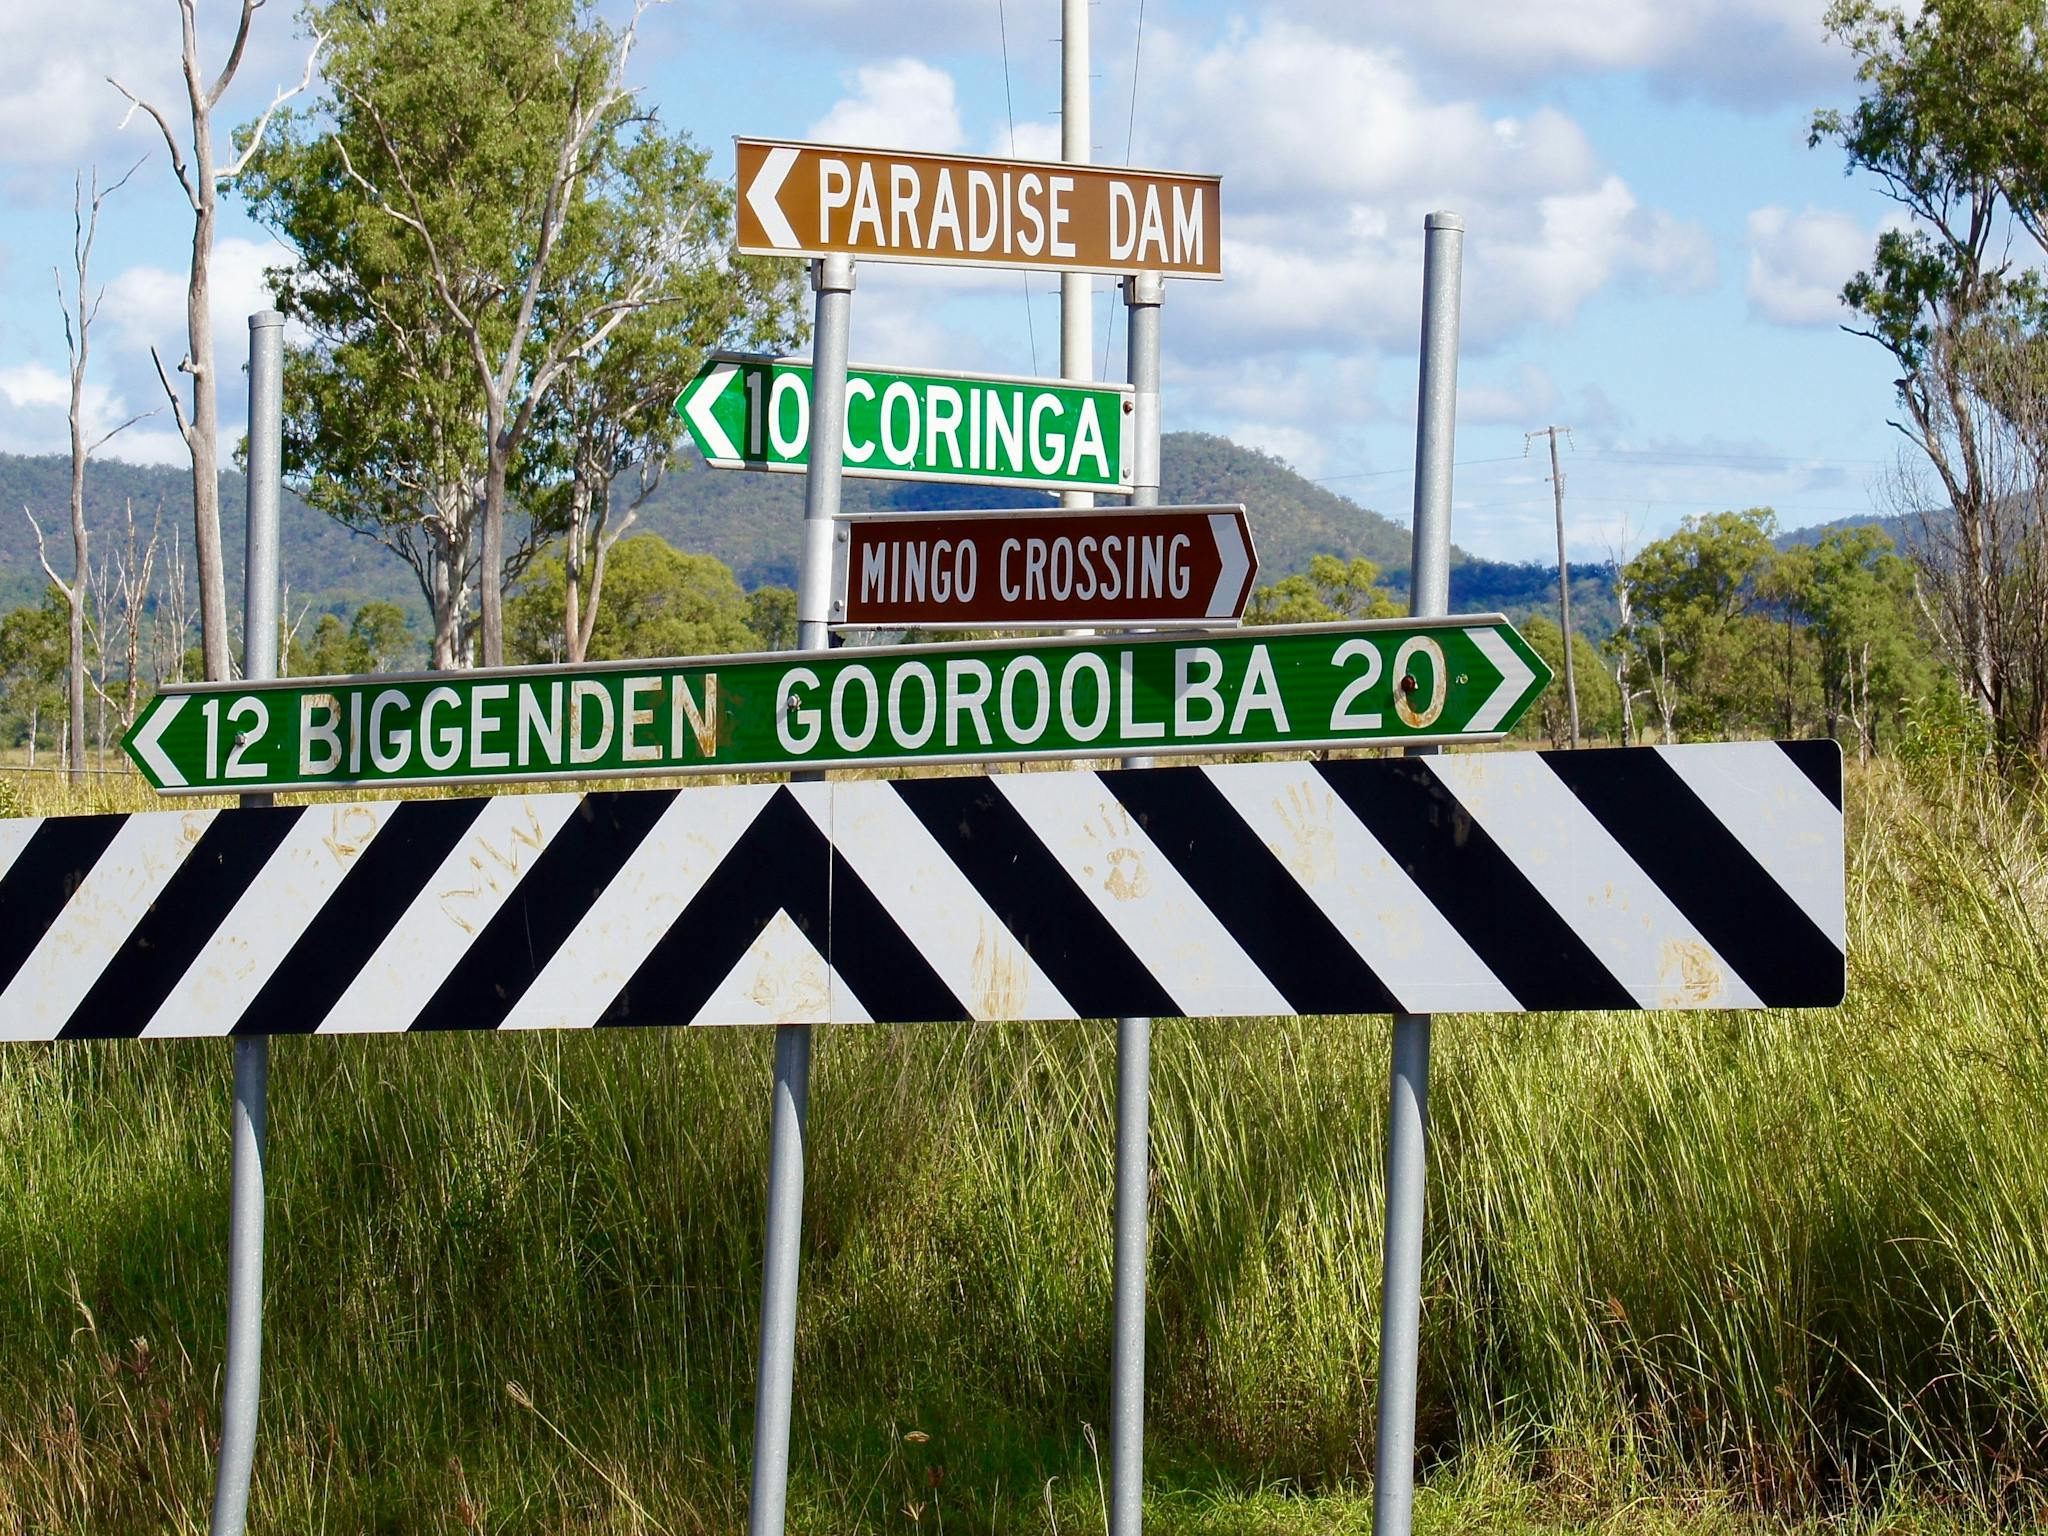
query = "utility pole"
x=1077 y=330
x=1564 y=570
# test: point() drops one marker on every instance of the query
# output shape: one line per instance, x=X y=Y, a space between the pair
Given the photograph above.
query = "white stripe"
x=1362 y=889
x=659 y=879
x=1777 y=813
x=15 y=831
x=1154 y=911
x=1620 y=914
x=268 y=919
x=93 y=925
x=450 y=910
x=782 y=979
x=939 y=910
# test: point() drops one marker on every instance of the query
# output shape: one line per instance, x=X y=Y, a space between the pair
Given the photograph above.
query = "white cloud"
x=1750 y=51
x=1526 y=396
x=1799 y=262
x=1332 y=154
x=37 y=418
x=145 y=305
x=57 y=110
x=903 y=104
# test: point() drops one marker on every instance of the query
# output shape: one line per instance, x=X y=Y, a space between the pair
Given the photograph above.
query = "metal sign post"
x=1143 y=294
x=1429 y=588
x=788 y=1112
x=239 y=1389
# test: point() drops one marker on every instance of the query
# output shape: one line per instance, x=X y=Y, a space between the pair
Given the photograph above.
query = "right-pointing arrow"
x=1515 y=678
x=761 y=195
x=698 y=401
x=146 y=745
x=1234 y=555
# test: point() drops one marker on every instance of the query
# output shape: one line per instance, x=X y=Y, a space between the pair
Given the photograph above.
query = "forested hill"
x=750 y=521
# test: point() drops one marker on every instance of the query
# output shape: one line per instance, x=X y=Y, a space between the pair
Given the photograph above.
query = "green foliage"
x=1599 y=699
x=507 y=263
x=378 y=639
x=771 y=615
x=1329 y=590
x=659 y=601
x=35 y=645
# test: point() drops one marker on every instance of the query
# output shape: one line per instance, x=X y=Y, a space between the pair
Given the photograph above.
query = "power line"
x=1130 y=138
x=1010 y=108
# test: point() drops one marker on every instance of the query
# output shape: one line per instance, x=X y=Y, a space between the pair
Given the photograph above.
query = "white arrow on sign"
x=761 y=196
x=697 y=404
x=1515 y=678
x=1236 y=560
x=148 y=744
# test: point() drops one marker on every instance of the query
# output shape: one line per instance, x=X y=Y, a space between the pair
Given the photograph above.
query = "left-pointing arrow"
x=146 y=745
x=698 y=402
x=761 y=196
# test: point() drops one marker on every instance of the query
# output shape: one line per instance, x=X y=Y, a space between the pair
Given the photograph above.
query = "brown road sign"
x=962 y=210
x=1028 y=569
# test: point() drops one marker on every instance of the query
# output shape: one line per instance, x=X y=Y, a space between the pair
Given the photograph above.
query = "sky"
x=1652 y=254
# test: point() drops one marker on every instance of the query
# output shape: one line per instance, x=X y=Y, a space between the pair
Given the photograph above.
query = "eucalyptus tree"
x=496 y=163
x=1953 y=128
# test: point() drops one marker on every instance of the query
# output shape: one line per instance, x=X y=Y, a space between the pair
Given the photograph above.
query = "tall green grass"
x=1790 y=1263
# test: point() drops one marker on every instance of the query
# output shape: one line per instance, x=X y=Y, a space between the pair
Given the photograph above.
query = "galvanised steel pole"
x=1077 y=329
x=775 y=1376
x=1429 y=595
x=239 y=1388
x=1143 y=293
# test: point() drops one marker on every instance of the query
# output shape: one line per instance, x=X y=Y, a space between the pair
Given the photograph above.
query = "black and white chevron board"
x=1671 y=877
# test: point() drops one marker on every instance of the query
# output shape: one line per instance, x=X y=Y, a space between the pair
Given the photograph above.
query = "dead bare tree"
x=78 y=310
x=201 y=179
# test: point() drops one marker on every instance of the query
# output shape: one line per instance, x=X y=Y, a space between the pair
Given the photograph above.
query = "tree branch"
x=43 y=558
x=117 y=431
x=171 y=393
x=170 y=140
x=263 y=123
x=227 y=74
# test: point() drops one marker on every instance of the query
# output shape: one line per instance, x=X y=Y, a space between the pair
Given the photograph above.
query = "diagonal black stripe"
x=44 y=876
x=1038 y=901
x=783 y=863
x=1251 y=892
x=364 y=908
x=580 y=860
x=1477 y=887
x=192 y=905
x=1708 y=874
x=1820 y=761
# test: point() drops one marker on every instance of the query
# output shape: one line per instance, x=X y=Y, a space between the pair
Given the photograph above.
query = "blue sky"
x=1651 y=258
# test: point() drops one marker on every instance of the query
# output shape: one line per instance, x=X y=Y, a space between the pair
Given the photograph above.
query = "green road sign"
x=1313 y=685
x=752 y=412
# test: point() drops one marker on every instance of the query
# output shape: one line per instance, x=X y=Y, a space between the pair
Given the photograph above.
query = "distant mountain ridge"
x=753 y=522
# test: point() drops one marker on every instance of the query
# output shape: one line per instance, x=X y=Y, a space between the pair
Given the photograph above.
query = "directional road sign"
x=1037 y=569
x=895 y=205
x=1311 y=685
x=1646 y=877
x=753 y=412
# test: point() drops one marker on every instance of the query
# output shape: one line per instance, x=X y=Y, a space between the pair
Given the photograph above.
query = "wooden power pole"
x=1564 y=571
